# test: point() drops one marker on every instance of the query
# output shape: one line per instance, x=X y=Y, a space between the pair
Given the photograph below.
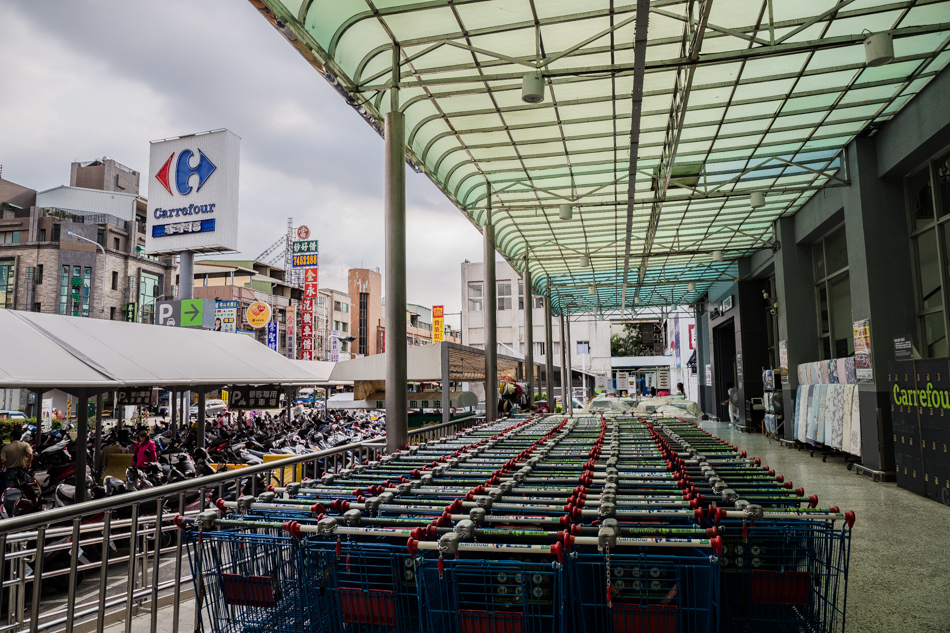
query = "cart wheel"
x=850 y=466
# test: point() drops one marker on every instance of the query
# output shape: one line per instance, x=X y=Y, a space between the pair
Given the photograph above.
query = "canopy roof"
x=51 y=351
x=424 y=364
x=738 y=96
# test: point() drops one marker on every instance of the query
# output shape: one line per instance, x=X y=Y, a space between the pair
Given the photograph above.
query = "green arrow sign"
x=191 y=312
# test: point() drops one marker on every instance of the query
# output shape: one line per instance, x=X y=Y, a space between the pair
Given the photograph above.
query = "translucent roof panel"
x=738 y=97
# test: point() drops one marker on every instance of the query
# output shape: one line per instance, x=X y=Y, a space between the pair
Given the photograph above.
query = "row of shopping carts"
x=529 y=525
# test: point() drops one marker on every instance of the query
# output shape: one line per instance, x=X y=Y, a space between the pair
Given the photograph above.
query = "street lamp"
x=102 y=299
x=342 y=339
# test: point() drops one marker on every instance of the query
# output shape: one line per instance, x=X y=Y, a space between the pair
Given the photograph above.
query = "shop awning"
x=51 y=351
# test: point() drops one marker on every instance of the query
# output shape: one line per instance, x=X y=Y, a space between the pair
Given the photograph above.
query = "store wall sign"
x=193 y=193
x=726 y=304
x=258 y=314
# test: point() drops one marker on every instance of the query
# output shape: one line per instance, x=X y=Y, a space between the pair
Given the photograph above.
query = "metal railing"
x=46 y=557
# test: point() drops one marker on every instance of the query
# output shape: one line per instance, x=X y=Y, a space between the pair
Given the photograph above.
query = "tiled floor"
x=899 y=578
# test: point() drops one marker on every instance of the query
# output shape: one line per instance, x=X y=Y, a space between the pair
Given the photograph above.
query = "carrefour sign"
x=193 y=194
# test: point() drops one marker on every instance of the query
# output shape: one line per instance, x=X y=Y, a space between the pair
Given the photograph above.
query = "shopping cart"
x=645 y=593
x=374 y=585
x=478 y=595
x=250 y=582
x=785 y=577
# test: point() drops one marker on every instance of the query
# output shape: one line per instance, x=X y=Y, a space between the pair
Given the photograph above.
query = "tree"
x=630 y=343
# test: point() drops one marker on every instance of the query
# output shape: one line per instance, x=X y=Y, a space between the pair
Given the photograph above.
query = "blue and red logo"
x=184 y=171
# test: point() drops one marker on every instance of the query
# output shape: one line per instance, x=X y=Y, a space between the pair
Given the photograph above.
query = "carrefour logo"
x=184 y=171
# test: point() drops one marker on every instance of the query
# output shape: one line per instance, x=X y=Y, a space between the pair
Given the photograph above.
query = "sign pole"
x=186 y=290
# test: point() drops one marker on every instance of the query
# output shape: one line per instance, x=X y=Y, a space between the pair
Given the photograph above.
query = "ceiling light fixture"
x=591 y=290
x=532 y=88
x=585 y=261
x=757 y=199
x=565 y=211
x=691 y=286
x=878 y=49
x=717 y=256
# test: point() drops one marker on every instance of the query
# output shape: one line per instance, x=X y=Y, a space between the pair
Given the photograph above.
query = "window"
x=475 y=298
x=9 y=237
x=63 y=289
x=336 y=307
x=115 y=243
x=833 y=292
x=112 y=313
x=321 y=301
x=56 y=232
x=7 y=279
x=101 y=237
x=148 y=292
x=37 y=307
x=344 y=327
x=583 y=347
x=538 y=301
x=363 y=322
x=86 y=288
x=39 y=275
x=520 y=294
x=504 y=295
x=539 y=349
x=928 y=203
x=346 y=307
x=115 y=280
x=42 y=235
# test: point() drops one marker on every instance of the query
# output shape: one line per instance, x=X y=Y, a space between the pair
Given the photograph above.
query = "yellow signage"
x=301 y=261
x=438 y=324
x=258 y=314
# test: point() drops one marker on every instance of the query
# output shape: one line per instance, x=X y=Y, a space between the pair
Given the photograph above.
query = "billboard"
x=335 y=346
x=258 y=314
x=225 y=316
x=193 y=194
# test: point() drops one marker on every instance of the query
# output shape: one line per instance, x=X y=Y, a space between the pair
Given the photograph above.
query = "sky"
x=83 y=80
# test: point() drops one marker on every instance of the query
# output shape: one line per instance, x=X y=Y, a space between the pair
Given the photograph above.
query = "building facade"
x=247 y=281
x=80 y=251
x=334 y=312
x=366 y=316
x=590 y=335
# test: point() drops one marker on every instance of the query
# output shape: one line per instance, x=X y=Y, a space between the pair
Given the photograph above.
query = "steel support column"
x=569 y=397
x=82 y=438
x=200 y=432
x=529 y=333
x=446 y=386
x=548 y=353
x=491 y=333
x=397 y=405
x=564 y=387
x=97 y=452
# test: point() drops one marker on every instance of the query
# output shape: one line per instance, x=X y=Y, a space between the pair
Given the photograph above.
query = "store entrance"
x=724 y=342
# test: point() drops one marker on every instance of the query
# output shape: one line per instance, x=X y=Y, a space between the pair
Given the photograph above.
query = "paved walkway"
x=900 y=549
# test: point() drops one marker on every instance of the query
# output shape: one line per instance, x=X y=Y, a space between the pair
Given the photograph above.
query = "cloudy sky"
x=83 y=80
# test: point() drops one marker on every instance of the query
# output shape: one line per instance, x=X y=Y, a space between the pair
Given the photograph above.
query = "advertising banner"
x=258 y=314
x=623 y=381
x=335 y=346
x=783 y=359
x=862 y=351
x=272 y=337
x=600 y=382
x=193 y=194
x=291 y=331
x=225 y=316
x=438 y=324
